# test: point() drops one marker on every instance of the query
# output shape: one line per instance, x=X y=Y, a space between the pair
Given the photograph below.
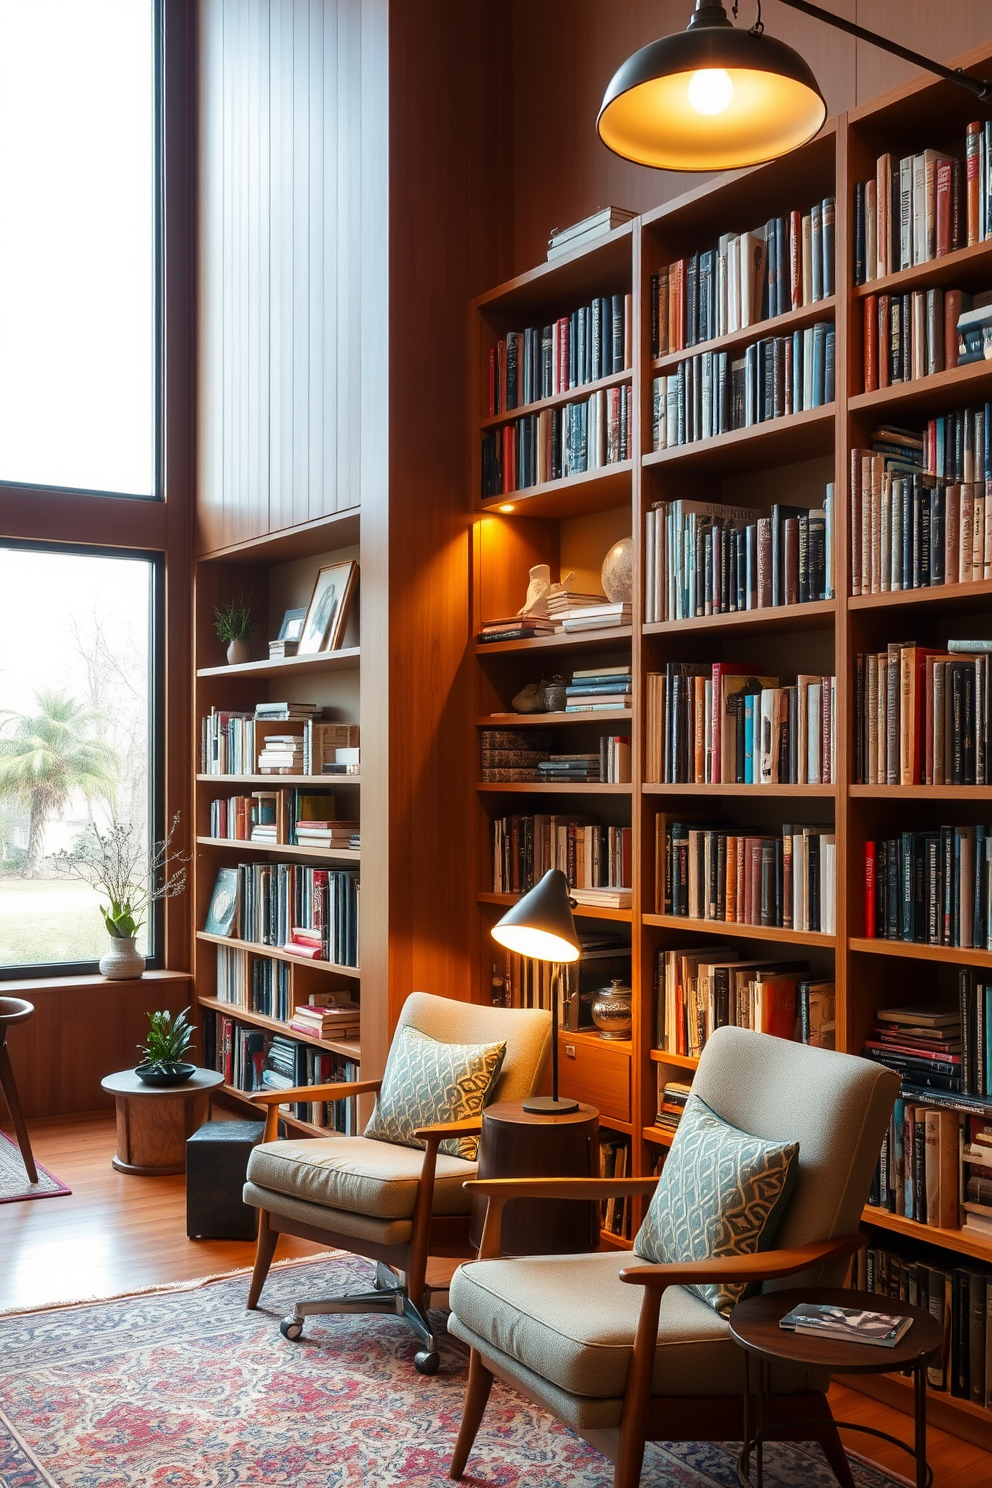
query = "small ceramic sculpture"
x=564 y=587
x=618 y=572
x=538 y=590
x=529 y=699
x=554 y=694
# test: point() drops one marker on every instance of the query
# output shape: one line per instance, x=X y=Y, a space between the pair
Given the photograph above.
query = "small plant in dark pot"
x=168 y=1041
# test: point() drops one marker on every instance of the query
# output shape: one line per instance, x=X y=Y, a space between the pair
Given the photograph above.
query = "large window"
x=78 y=245
x=77 y=735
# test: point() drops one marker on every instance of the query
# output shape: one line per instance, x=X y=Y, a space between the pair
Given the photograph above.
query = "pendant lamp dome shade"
x=710 y=98
x=540 y=924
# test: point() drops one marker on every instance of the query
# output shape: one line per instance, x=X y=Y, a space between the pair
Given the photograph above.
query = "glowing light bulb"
x=710 y=90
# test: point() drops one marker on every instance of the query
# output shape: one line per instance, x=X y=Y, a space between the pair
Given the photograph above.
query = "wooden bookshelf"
x=775 y=325
x=285 y=850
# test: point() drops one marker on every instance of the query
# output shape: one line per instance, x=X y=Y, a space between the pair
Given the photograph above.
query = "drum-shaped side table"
x=15 y=1010
x=154 y=1121
x=523 y=1144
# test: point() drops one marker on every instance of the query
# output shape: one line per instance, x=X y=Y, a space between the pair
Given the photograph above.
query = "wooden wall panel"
x=283 y=291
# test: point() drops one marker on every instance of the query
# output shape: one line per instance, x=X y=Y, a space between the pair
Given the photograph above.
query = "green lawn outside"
x=49 y=920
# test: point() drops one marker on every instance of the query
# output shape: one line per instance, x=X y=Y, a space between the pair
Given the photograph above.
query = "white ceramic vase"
x=238 y=652
x=122 y=963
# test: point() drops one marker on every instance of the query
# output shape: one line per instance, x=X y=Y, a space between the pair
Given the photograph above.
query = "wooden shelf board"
x=581 y=911
x=955 y=1240
x=286 y=849
x=609 y=1241
x=348 y=659
x=552 y=720
x=816 y=616
x=22 y=986
x=962 y=1418
x=349 y=1048
x=746 y=932
x=614 y=1123
x=554 y=788
x=596 y=263
x=658 y=1135
x=280 y=780
x=942 y=596
x=942 y=391
x=776 y=325
x=596 y=1041
x=656 y=788
x=677 y=1061
x=922 y=792
x=797 y=436
x=573 y=395
x=611 y=639
x=276 y=953
x=325 y=535
x=588 y=491
x=944 y=270
x=306 y=1127
x=957 y=955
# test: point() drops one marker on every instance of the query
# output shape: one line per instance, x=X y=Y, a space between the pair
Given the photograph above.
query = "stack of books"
x=922 y=715
x=577 y=768
x=597 y=617
x=345 y=762
x=603 y=898
x=279 y=650
x=513 y=754
x=327 y=832
x=846 y=1324
x=672 y=1097
x=974 y=330
x=567 y=239
x=930 y=888
x=227 y=743
x=598 y=689
x=282 y=754
x=922 y=1043
x=614 y=1162
x=327 y=1020
x=517 y=628
x=277 y=712
x=561 y=603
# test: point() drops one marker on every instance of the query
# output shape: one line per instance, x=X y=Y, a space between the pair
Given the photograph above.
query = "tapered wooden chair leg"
x=480 y=1382
x=265 y=1249
x=9 y=1088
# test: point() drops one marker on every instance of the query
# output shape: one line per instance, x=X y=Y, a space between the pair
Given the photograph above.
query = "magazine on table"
x=847 y=1324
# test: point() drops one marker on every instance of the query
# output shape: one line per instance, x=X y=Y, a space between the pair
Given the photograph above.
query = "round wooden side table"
x=754 y=1324
x=154 y=1121
x=523 y=1144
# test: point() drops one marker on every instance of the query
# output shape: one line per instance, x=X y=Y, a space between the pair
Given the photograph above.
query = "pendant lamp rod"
x=980 y=86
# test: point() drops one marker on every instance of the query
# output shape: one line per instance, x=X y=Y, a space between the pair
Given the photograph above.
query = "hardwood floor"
x=117 y=1233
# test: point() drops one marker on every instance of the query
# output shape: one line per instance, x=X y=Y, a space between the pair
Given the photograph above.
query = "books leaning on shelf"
x=930 y=888
x=599 y=688
x=592 y=856
x=614 y=1162
x=846 y=1324
x=557 y=442
x=289 y=1064
x=975 y=999
x=253 y=982
x=922 y=1043
x=715 y=392
x=748 y=277
x=921 y=717
x=672 y=1096
x=565 y=239
x=702 y=558
x=709 y=987
x=923 y=332
x=545 y=361
x=724 y=725
x=228 y=739
x=735 y=875
x=922 y=206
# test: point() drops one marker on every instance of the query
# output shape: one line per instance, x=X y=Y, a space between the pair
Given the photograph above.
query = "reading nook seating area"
x=496 y=743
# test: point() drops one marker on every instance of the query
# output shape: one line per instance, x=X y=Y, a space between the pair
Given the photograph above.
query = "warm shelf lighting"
x=506 y=507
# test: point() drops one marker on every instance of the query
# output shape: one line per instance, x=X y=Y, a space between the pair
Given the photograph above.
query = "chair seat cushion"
x=572 y=1321
x=357 y=1174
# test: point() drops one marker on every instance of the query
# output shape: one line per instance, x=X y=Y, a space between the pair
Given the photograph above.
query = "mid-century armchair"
x=618 y=1348
x=395 y=1204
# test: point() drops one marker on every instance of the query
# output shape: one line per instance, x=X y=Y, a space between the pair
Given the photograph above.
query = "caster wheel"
x=291 y=1329
x=426 y=1363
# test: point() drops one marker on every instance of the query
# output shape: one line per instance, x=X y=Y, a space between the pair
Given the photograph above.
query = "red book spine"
x=871 y=343
x=945 y=240
x=492 y=382
x=870 y=890
x=952 y=311
x=564 y=333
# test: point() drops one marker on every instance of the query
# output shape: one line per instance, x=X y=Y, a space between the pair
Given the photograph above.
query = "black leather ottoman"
x=216 y=1164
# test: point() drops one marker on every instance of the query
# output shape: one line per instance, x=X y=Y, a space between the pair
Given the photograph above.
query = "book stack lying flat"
x=565 y=239
x=922 y=1043
x=513 y=754
x=569 y=767
x=279 y=650
x=597 y=617
x=974 y=330
x=597 y=689
x=516 y=628
x=327 y=833
x=603 y=898
x=846 y=1324
x=282 y=754
x=275 y=712
x=561 y=603
x=672 y=1096
x=328 y=1020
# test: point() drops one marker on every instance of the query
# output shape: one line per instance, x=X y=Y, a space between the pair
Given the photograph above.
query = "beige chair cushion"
x=358 y=1175
x=570 y=1320
x=340 y=1226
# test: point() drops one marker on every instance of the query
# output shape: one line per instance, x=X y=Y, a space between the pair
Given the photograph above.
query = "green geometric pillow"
x=426 y=1082
x=722 y=1192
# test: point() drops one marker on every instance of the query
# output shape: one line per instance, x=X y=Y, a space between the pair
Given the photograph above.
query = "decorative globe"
x=618 y=572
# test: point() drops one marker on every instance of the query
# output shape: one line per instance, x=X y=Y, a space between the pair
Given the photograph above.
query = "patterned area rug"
x=185 y=1389
x=14 y=1184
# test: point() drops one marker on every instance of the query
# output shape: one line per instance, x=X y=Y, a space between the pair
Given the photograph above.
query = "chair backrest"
x=836 y=1106
x=525 y=1031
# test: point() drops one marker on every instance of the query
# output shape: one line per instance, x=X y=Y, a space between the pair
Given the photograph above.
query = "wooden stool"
x=15 y=1010
x=154 y=1121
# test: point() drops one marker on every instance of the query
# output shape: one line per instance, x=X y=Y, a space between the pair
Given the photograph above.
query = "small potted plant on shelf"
x=168 y=1040
x=234 y=624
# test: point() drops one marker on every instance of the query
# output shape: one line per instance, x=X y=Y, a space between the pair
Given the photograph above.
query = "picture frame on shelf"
x=293 y=621
x=223 y=903
x=327 y=613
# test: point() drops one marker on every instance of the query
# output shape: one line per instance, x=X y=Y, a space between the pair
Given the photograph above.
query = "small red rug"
x=14 y=1183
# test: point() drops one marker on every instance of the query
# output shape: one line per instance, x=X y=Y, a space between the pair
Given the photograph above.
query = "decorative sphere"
x=618 y=572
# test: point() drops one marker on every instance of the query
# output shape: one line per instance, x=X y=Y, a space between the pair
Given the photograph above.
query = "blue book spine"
x=749 y=740
x=899 y=1156
x=828 y=366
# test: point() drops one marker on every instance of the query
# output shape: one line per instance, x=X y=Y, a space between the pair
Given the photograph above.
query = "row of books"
x=936 y=1168
x=525 y=761
x=709 y=987
x=715 y=392
x=522 y=982
x=916 y=334
x=311 y=912
x=960 y=1298
x=923 y=206
x=922 y=716
x=704 y=558
x=544 y=361
x=725 y=725
x=748 y=277
x=614 y=1162
x=288 y=817
x=930 y=888
x=591 y=855
x=734 y=875
x=254 y=982
x=912 y=531
x=558 y=442
x=289 y=1064
x=229 y=742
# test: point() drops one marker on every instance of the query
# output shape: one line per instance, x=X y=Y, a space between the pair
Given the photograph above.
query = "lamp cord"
x=759 y=26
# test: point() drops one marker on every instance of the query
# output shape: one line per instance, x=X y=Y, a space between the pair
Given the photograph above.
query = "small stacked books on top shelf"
x=513 y=754
x=596 y=689
x=846 y=1324
x=672 y=1096
x=569 y=767
x=602 y=615
x=922 y=1043
x=328 y=833
x=326 y=1018
x=281 y=754
x=517 y=628
x=563 y=604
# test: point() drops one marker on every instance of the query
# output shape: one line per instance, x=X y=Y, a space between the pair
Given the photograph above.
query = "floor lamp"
x=540 y=926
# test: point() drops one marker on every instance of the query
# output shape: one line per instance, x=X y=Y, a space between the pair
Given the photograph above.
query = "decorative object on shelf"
x=116 y=863
x=167 y=1041
x=223 y=903
x=530 y=699
x=233 y=623
x=611 y=1010
x=327 y=613
x=538 y=590
x=578 y=234
x=617 y=576
x=540 y=925
x=287 y=642
x=715 y=98
x=554 y=694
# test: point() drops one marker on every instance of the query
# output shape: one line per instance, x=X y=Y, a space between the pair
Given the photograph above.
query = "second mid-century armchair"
x=620 y=1349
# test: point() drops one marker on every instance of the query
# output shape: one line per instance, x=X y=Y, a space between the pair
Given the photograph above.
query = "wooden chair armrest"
x=763 y=1265
x=275 y=1098
x=441 y=1130
x=559 y=1188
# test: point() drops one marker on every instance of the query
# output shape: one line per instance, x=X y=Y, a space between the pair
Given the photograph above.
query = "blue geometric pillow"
x=426 y=1082
x=722 y=1192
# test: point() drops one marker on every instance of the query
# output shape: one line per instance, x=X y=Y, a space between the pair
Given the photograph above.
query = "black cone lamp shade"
x=540 y=925
x=710 y=98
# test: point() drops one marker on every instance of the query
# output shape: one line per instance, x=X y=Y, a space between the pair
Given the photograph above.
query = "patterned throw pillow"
x=426 y=1082
x=722 y=1192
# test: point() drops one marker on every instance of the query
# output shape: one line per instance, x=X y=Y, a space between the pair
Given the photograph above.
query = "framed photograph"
x=327 y=615
x=292 y=625
x=222 y=914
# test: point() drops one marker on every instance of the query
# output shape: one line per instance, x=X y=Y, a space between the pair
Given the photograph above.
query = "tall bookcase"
x=570 y=523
